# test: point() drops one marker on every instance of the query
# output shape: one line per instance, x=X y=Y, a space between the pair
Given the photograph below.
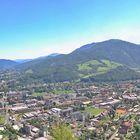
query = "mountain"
x=54 y=54
x=42 y=57
x=4 y=64
x=102 y=60
x=48 y=56
x=22 y=60
x=116 y=50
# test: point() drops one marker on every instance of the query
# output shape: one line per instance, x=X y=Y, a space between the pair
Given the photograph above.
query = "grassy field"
x=2 y=120
x=57 y=92
x=62 y=91
x=103 y=69
x=18 y=116
x=94 y=111
x=108 y=66
x=96 y=67
x=29 y=71
x=88 y=65
x=35 y=94
x=111 y=64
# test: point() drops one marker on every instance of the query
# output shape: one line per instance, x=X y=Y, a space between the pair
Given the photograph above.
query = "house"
x=120 y=112
x=56 y=110
x=67 y=112
x=31 y=101
x=86 y=103
x=122 y=131
x=95 y=122
x=80 y=116
x=124 y=127
x=127 y=125
x=19 y=108
x=49 y=103
x=34 y=132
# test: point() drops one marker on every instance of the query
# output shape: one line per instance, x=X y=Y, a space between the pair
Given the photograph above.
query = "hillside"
x=4 y=64
x=115 y=50
x=109 y=58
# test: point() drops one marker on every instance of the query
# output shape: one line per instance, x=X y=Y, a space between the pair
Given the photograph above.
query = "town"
x=94 y=111
x=69 y=69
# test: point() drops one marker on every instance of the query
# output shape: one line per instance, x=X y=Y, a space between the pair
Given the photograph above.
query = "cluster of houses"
x=100 y=111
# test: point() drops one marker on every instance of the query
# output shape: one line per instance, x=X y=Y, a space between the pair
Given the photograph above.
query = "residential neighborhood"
x=107 y=111
x=69 y=69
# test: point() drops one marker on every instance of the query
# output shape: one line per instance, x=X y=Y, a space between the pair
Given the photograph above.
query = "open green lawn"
x=35 y=94
x=2 y=120
x=62 y=91
x=96 y=67
x=94 y=111
x=110 y=64
x=103 y=69
x=57 y=92
x=88 y=65
x=29 y=71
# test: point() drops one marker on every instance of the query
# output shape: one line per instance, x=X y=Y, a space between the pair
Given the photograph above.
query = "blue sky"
x=32 y=28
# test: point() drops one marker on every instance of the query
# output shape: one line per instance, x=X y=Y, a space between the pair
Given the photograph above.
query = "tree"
x=62 y=132
x=137 y=131
x=9 y=133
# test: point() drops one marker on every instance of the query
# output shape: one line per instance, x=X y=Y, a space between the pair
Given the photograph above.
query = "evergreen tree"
x=62 y=132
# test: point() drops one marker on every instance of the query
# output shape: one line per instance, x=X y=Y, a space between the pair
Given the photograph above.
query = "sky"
x=33 y=28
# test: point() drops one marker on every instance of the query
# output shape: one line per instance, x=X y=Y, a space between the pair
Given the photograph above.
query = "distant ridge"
x=101 y=61
x=49 y=56
x=22 y=60
x=5 y=63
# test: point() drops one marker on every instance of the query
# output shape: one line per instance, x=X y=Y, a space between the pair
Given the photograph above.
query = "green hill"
x=97 y=61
